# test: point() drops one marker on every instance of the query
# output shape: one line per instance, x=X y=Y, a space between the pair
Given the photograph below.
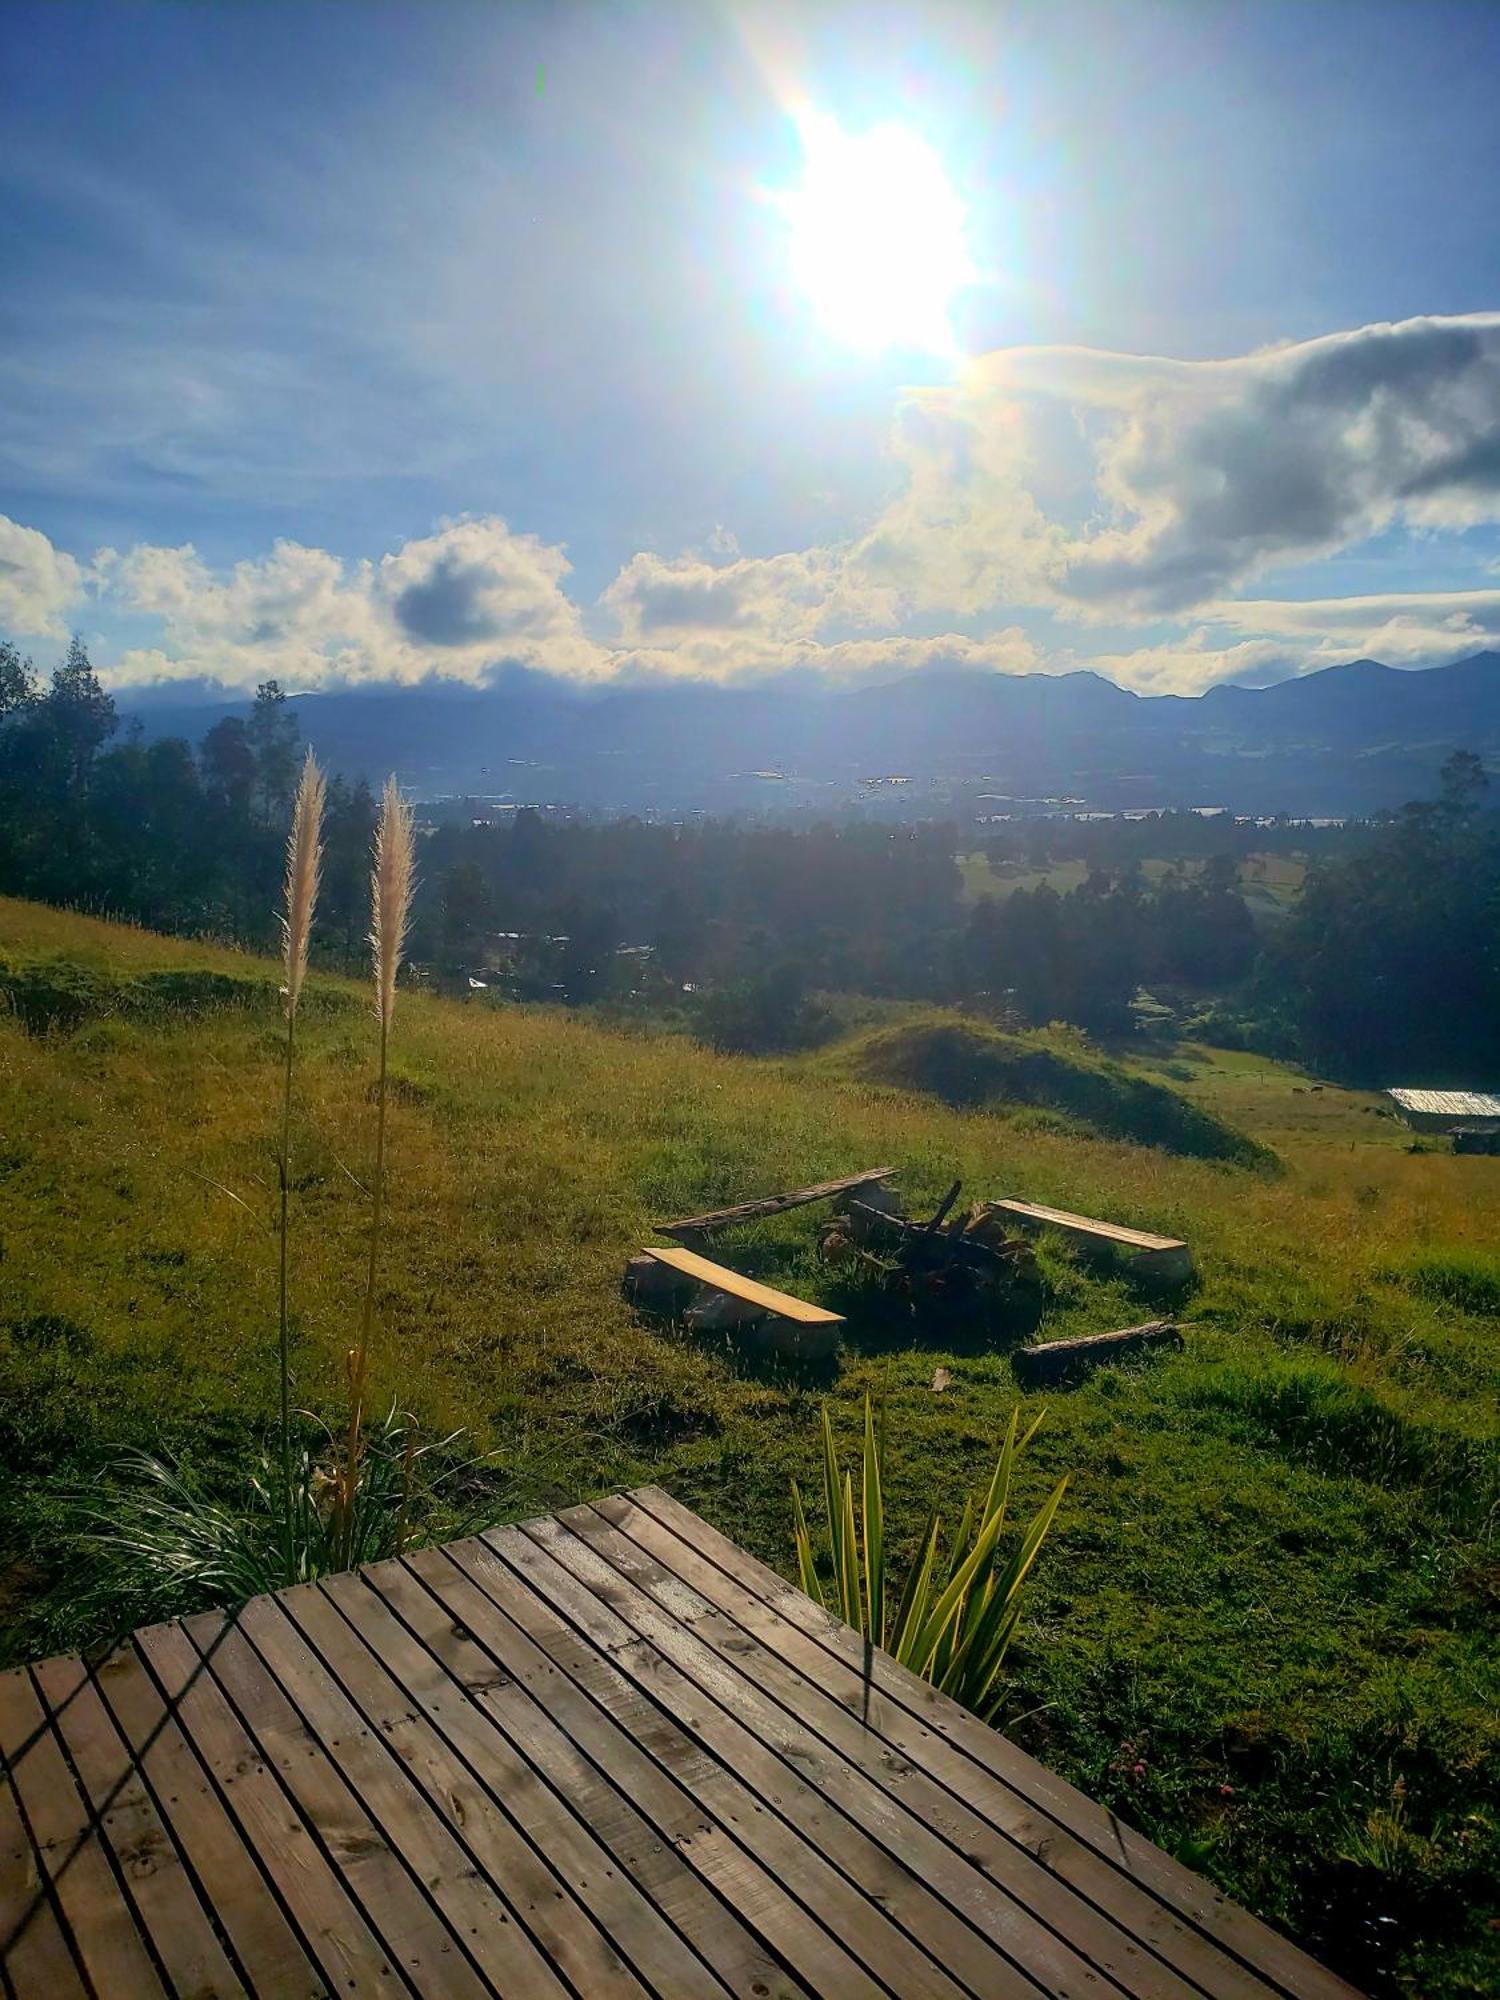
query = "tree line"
x=1387 y=967
x=175 y=838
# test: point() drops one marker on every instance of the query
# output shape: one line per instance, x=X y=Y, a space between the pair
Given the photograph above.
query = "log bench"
x=781 y=1324
x=1166 y=1258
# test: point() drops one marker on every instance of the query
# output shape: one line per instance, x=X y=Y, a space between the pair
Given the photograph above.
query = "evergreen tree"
x=274 y=739
x=79 y=714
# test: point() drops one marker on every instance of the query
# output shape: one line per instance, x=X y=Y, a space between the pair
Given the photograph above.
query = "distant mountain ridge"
x=1347 y=739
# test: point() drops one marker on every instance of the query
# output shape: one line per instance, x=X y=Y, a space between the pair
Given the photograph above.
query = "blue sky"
x=355 y=342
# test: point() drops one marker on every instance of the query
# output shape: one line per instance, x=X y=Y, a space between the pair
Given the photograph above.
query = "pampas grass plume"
x=392 y=885
x=304 y=857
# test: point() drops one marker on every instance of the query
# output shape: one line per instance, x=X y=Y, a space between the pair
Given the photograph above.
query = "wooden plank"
x=771 y=1204
x=351 y=1957
x=390 y=1895
x=491 y=1798
x=478 y=1919
x=93 y=1905
x=649 y=1824
x=1067 y=1360
x=877 y=1904
x=164 y=1894
x=35 y=1958
x=252 y=1919
x=724 y=1280
x=997 y=1809
x=771 y=1873
x=965 y=1915
x=1234 y=1930
x=1037 y=1217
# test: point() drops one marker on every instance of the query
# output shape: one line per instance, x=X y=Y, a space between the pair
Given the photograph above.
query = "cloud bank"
x=1046 y=487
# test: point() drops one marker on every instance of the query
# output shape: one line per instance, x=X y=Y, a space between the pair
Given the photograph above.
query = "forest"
x=1384 y=964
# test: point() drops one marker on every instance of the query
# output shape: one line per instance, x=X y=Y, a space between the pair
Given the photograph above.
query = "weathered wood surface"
x=1068 y=1360
x=606 y=1753
x=771 y=1204
x=722 y=1279
x=1168 y=1256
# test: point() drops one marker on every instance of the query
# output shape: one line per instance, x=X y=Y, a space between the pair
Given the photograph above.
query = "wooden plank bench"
x=1164 y=1257
x=771 y=1204
x=792 y=1326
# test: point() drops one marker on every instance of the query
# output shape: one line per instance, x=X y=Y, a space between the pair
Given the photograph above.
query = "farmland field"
x=1268 y=882
x=1265 y=1629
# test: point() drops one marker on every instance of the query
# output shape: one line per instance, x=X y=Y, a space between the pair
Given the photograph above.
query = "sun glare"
x=877 y=236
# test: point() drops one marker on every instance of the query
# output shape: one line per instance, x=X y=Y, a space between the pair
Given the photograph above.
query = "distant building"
x=1446 y=1110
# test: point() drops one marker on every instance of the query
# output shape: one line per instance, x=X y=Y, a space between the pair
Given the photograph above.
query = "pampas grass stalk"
x=304 y=855
x=391 y=887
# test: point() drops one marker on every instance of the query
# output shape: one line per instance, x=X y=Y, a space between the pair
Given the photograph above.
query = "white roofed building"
x=1446 y=1110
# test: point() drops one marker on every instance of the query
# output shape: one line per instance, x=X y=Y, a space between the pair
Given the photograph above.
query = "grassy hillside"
x=1265 y=1629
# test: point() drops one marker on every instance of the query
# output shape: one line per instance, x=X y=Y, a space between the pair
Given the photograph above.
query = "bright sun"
x=877 y=236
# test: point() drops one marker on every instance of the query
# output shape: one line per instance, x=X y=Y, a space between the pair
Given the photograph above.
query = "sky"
x=352 y=343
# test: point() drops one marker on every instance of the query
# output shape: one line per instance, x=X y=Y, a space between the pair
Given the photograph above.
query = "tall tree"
x=17 y=681
x=80 y=715
x=273 y=736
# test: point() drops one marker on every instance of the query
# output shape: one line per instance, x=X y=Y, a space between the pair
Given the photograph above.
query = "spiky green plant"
x=955 y=1619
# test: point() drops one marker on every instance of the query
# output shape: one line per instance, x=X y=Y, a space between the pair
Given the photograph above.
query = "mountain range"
x=1347 y=739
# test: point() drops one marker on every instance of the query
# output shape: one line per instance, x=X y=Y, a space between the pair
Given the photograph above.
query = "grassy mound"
x=973 y=1067
x=53 y=994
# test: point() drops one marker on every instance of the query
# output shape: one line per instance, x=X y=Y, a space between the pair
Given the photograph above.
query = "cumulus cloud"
x=458 y=602
x=1256 y=640
x=39 y=584
x=1089 y=488
x=1205 y=474
x=723 y=656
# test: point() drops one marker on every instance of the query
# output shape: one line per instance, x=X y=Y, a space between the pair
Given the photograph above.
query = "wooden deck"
x=605 y=1753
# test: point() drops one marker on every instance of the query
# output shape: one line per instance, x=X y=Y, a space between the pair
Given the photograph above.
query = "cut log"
x=1061 y=1361
x=771 y=1204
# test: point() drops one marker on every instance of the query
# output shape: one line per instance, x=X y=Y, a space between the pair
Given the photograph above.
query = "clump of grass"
x=1314 y=1413
x=1467 y=1279
x=160 y=1540
x=956 y=1617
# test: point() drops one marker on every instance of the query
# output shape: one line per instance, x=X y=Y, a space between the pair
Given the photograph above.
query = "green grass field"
x=1265 y=1629
x=1268 y=882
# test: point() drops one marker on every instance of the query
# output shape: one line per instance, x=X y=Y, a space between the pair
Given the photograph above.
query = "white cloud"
x=456 y=603
x=721 y=656
x=1264 y=639
x=39 y=584
x=1097 y=488
x=1399 y=627
x=1196 y=476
